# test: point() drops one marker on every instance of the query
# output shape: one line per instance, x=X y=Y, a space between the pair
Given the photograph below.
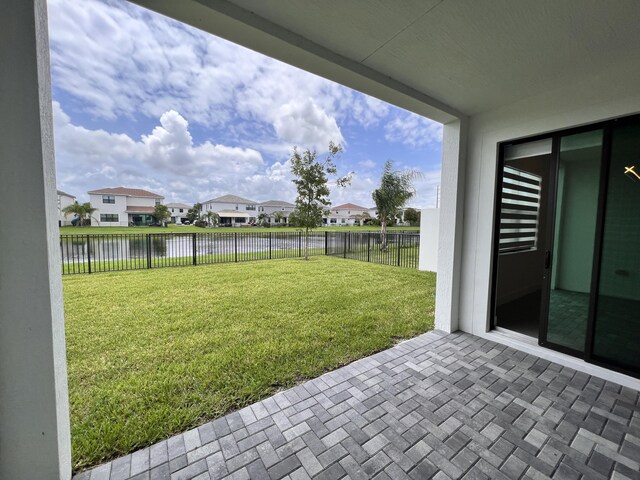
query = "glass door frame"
x=555 y=136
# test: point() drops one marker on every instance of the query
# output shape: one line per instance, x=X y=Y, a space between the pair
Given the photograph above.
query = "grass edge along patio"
x=183 y=346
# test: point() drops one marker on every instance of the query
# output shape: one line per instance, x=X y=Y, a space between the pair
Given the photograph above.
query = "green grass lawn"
x=191 y=229
x=154 y=352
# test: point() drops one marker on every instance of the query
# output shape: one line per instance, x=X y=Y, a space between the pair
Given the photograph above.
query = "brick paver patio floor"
x=437 y=406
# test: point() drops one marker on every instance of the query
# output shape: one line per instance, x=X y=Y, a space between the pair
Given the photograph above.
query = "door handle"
x=547 y=259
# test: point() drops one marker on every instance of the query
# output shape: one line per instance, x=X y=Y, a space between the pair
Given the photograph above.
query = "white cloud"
x=369 y=111
x=121 y=60
x=115 y=60
x=413 y=130
x=307 y=125
x=368 y=164
x=362 y=185
x=166 y=161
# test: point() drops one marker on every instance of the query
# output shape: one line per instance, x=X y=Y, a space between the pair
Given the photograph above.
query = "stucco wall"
x=429 y=231
x=218 y=207
x=609 y=94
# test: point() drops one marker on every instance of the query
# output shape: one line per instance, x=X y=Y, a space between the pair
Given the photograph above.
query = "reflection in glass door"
x=522 y=236
x=616 y=336
x=574 y=233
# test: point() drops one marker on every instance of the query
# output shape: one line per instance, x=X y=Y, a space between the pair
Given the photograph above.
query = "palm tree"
x=278 y=216
x=82 y=210
x=213 y=219
x=262 y=219
x=363 y=217
x=396 y=188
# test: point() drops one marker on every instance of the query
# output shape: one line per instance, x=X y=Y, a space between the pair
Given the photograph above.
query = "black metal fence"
x=114 y=252
x=401 y=249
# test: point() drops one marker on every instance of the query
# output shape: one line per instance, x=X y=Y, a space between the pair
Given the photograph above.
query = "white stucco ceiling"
x=440 y=58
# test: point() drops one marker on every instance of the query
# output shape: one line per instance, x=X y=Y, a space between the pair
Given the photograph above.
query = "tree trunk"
x=383 y=234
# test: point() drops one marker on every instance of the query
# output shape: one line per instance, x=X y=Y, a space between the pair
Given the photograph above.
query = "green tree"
x=194 y=212
x=412 y=216
x=161 y=213
x=311 y=177
x=82 y=210
x=396 y=188
x=294 y=219
x=213 y=219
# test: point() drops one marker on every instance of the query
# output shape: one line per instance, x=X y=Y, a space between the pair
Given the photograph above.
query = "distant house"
x=178 y=212
x=270 y=207
x=121 y=207
x=64 y=200
x=232 y=210
x=345 y=215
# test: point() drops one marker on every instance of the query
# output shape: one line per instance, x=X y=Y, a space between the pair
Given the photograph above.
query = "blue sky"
x=143 y=101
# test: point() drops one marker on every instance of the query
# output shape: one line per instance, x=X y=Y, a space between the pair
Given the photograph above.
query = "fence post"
x=399 y=244
x=89 y=252
x=300 y=243
x=270 y=236
x=193 y=248
x=235 y=241
x=368 y=246
x=326 y=243
x=148 y=250
x=344 y=253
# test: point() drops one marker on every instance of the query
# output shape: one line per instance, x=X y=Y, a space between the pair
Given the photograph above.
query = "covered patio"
x=481 y=404
x=233 y=217
x=442 y=406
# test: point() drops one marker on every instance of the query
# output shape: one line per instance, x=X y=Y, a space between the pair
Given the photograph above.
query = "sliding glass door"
x=616 y=335
x=567 y=248
x=574 y=233
x=522 y=235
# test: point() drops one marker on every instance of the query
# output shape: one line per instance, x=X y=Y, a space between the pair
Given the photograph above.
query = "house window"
x=283 y=209
x=251 y=207
x=236 y=207
x=108 y=217
x=172 y=210
x=108 y=199
x=343 y=221
x=181 y=210
x=333 y=220
x=157 y=201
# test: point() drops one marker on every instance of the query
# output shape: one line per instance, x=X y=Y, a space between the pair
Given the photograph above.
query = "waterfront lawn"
x=155 y=352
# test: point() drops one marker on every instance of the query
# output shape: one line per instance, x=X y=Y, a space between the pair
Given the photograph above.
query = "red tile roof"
x=131 y=192
x=135 y=209
x=349 y=206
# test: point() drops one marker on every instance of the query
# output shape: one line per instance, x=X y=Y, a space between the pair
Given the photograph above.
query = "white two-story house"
x=234 y=211
x=178 y=212
x=346 y=215
x=64 y=200
x=271 y=207
x=121 y=207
